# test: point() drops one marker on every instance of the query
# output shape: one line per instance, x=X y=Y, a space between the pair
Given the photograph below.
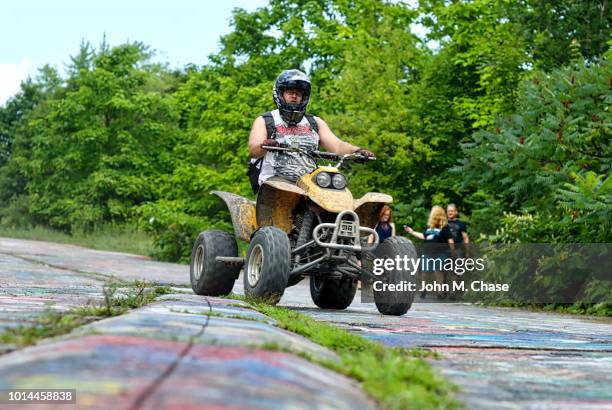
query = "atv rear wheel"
x=209 y=277
x=395 y=303
x=332 y=293
x=267 y=265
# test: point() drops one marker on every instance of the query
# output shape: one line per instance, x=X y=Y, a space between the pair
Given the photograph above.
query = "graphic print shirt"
x=290 y=165
x=437 y=235
x=457 y=227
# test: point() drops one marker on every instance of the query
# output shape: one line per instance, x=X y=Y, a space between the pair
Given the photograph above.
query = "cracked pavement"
x=181 y=351
x=501 y=358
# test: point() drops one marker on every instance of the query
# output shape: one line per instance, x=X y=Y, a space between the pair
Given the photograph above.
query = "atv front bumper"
x=346 y=234
x=338 y=241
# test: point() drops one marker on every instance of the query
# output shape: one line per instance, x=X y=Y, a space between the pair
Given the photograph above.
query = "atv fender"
x=276 y=200
x=368 y=207
x=242 y=211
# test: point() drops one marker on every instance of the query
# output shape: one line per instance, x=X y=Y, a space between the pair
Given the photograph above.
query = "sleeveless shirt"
x=383 y=231
x=290 y=165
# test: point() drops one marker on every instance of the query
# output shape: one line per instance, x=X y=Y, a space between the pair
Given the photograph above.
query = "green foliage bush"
x=551 y=158
x=173 y=230
x=123 y=140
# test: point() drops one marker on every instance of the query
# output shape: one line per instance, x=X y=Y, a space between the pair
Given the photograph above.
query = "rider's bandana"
x=290 y=165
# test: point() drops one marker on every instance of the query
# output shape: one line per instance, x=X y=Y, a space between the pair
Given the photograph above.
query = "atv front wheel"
x=332 y=293
x=209 y=277
x=267 y=265
x=395 y=303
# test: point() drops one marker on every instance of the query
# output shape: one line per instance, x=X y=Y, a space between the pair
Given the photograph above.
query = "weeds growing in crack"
x=397 y=378
x=117 y=299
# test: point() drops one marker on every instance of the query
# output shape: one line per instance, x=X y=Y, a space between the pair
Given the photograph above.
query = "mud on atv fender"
x=275 y=204
x=242 y=211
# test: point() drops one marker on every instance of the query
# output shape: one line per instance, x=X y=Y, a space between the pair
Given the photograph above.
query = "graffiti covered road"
x=182 y=351
x=501 y=358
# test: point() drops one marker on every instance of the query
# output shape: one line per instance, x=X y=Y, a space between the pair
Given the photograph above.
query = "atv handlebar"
x=319 y=154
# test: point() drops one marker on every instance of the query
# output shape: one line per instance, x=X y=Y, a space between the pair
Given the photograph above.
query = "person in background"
x=437 y=230
x=457 y=227
x=385 y=228
x=436 y=233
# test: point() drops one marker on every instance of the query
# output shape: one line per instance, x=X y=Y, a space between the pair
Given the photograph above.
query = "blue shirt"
x=384 y=231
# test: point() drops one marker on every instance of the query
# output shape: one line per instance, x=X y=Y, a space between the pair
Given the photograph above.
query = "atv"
x=312 y=227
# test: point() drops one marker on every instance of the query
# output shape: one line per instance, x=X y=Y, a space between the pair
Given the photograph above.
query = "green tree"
x=480 y=45
x=361 y=60
x=550 y=27
x=121 y=139
x=93 y=151
x=16 y=141
x=561 y=131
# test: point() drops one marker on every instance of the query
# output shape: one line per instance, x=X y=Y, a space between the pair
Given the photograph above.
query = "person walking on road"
x=457 y=227
x=437 y=230
x=438 y=238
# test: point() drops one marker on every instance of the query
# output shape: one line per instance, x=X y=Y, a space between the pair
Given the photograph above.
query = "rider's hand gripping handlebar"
x=282 y=147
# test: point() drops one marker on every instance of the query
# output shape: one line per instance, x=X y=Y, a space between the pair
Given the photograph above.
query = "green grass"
x=397 y=378
x=109 y=238
x=603 y=309
x=580 y=308
x=118 y=299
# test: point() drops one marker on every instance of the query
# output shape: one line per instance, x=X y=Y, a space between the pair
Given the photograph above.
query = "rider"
x=291 y=94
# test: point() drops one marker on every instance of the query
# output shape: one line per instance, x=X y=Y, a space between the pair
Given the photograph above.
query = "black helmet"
x=295 y=80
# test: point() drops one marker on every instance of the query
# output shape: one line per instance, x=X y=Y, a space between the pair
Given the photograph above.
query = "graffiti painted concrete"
x=83 y=260
x=501 y=358
x=228 y=323
x=36 y=277
x=180 y=352
x=29 y=289
x=216 y=359
x=130 y=372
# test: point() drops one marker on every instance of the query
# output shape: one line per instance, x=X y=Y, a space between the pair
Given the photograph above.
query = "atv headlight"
x=324 y=179
x=339 y=181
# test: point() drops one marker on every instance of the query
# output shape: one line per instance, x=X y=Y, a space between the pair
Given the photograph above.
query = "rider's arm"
x=257 y=137
x=392 y=228
x=332 y=143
